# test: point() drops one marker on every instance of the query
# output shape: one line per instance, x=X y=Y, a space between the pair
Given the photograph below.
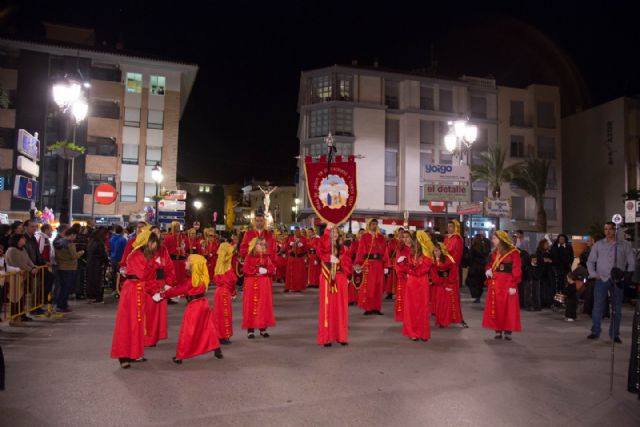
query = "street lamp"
x=197 y=204
x=70 y=98
x=460 y=138
x=296 y=208
x=156 y=176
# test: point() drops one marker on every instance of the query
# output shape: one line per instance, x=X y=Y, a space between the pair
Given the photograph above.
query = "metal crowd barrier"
x=22 y=292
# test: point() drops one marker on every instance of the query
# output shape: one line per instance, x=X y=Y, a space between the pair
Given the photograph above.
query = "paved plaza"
x=59 y=374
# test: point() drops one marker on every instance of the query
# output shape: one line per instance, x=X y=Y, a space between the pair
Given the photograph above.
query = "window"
x=517 y=146
x=345 y=85
x=134 y=83
x=446 y=100
x=154 y=156
x=446 y=158
x=157 y=85
x=7 y=138
x=478 y=106
x=149 y=191
x=155 y=119
x=426 y=98
x=552 y=182
x=321 y=88
x=130 y=154
x=545 y=115
x=99 y=178
x=391 y=94
x=550 y=208
x=319 y=123
x=427 y=132
x=320 y=149
x=101 y=146
x=128 y=191
x=104 y=109
x=344 y=121
x=546 y=147
x=518 y=210
x=106 y=72
x=479 y=190
x=132 y=117
x=516 y=117
x=391 y=148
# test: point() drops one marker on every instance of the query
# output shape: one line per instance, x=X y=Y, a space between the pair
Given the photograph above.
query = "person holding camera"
x=607 y=263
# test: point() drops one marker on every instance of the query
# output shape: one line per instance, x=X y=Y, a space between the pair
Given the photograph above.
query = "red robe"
x=501 y=310
x=415 y=322
x=252 y=234
x=401 y=268
x=198 y=334
x=333 y=313
x=209 y=250
x=313 y=278
x=281 y=261
x=353 y=286
x=156 y=313
x=193 y=245
x=296 y=278
x=391 y=279
x=257 y=304
x=444 y=277
x=373 y=257
x=176 y=245
x=222 y=309
x=128 y=334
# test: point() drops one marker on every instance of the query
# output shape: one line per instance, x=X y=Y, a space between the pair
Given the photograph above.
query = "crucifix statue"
x=267 y=201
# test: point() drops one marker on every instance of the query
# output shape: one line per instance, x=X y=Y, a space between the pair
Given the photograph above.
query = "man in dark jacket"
x=33 y=249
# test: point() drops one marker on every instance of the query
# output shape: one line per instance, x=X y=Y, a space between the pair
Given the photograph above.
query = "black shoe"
x=617 y=340
x=171 y=302
x=139 y=360
x=225 y=341
x=507 y=337
x=328 y=344
x=593 y=337
x=476 y=301
x=251 y=335
x=368 y=312
x=352 y=303
x=125 y=365
x=286 y=291
x=218 y=353
x=378 y=312
x=264 y=334
x=389 y=296
x=344 y=343
x=177 y=361
x=498 y=336
x=464 y=324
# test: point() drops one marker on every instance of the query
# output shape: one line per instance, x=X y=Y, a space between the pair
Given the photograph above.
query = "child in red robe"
x=198 y=334
x=225 y=279
x=504 y=273
x=415 y=321
x=296 y=276
x=445 y=281
x=402 y=266
x=128 y=335
x=333 y=315
x=257 y=304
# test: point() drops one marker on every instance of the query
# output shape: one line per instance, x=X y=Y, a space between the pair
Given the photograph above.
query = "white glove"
x=512 y=291
x=488 y=273
x=448 y=289
x=291 y=244
x=386 y=271
x=158 y=261
x=401 y=259
x=167 y=287
x=123 y=271
x=299 y=244
x=335 y=259
x=315 y=262
x=262 y=270
x=156 y=297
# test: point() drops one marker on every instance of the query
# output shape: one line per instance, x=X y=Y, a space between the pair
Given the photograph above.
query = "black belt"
x=312 y=251
x=190 y=298
x=131 y=277
x=298 y=255
x=443 y=273
x=374 y=257
x=177 y=257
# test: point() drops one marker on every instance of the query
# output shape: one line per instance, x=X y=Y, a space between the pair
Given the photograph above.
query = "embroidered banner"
x=332 y=195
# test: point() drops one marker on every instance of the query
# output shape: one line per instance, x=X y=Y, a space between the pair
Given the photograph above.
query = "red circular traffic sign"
x=105 y=194
x=29 y=189
x=437 y=207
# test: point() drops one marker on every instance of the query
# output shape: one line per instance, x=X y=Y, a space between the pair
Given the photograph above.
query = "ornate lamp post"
x=157 y=177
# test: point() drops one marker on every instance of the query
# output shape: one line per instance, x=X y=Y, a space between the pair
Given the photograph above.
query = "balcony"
x=106 y=90
x=100 y=164
x=99 y=126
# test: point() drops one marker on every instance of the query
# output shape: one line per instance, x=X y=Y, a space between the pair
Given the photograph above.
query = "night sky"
x=241 y=120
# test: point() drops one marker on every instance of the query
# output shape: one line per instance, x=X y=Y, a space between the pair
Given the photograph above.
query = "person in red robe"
x=356 y=276
x=176 y=244
x=156 y=314
x=296 y=279
x=401 y=264
x=333 y=314
x=259 y=230
x=314 y=262
x=415 y=320
x=193 y=242
x=281 y=257
x=225 y=279
x=444 y=279
x=128 y=248
x=127 y=344
x=209 y=249
x=373 y=260
x=454 y=244
x=391 y=279
x=257 y=304
x=504 y=273
x=198 y=334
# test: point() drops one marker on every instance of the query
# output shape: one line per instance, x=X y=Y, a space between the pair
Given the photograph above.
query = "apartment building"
x=397 y=121
x=135 y=105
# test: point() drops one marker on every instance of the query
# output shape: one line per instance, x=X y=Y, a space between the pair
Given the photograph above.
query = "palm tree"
x=531 y=176
x=492 y=170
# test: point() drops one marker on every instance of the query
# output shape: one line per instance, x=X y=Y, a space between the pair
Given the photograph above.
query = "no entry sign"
x=105 y=194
